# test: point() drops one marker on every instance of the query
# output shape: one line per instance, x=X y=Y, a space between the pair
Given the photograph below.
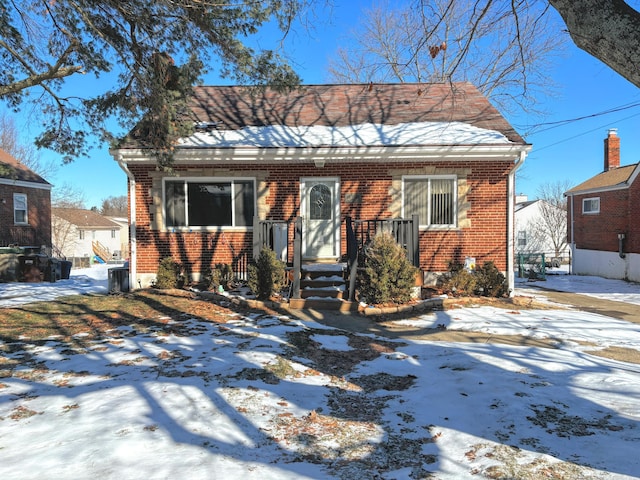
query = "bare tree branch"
x=503 y=49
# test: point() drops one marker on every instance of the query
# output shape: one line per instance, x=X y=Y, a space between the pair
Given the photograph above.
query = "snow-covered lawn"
x=273 y=397
x=597 y=287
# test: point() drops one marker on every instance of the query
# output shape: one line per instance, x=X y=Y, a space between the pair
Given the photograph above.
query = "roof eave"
x=589 y=191
x=350 y=154
x=25 y=184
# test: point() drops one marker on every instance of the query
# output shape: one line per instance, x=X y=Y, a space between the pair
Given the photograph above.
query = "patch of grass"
x=509 y=463
x=336 y=362
x=81 y=318
x=20 y=413
x=282 y=368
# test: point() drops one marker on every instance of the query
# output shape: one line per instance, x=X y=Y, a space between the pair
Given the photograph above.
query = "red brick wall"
x=196 y=250
x=485 y=238
x=38 y=215
x=600 y=231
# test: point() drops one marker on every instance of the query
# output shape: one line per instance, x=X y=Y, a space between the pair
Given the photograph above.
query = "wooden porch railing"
x=101 y=251
x=361 y=232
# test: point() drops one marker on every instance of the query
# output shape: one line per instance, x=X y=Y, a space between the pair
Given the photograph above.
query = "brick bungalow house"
x=328 y=156
x=25 y=205
x=603 y=229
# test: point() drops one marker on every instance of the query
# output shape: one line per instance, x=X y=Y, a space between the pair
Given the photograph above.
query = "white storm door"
x=320 y=198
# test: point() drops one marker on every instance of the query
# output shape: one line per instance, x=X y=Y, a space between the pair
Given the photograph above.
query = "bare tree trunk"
x=607 y=29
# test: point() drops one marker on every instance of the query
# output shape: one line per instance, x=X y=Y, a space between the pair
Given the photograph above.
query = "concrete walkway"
x=586 y=303
x=357 y=323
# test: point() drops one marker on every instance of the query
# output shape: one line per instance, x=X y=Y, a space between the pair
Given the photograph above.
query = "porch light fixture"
x=319 y=163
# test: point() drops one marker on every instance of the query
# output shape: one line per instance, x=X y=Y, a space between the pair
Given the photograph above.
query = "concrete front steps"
x=323 y=287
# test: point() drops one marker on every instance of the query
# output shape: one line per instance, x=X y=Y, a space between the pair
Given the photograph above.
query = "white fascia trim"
x=23 y=184
x=508 y=152
x=634 y=174
x=592 y=191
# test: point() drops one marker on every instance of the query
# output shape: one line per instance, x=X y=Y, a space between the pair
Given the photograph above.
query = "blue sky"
x=571 y=152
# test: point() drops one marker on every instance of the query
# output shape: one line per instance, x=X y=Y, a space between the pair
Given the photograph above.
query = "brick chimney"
x=612 y=150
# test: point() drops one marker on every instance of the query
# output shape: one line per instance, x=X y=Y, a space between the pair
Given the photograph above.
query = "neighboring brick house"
x=25 y=205
x=324 y=153
x=84 y=236
x=603 y=226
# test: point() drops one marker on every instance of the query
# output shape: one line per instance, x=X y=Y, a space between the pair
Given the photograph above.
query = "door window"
x=320 y=207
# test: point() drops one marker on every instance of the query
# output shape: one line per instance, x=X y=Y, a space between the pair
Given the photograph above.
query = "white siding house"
x=85 y=236
x=535 y=231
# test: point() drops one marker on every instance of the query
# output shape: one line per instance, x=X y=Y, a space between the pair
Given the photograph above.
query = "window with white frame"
x=522 y=238
x=81 y=234
x=209 y=202
x=20 y=209
x=591 y=205
x=432 y=198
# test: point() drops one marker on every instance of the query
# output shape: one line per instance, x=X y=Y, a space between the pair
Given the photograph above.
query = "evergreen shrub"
x=168 y=275
x=267 y=276
x=387 y=275
x=220 y=274
x=490 y=281
x=460 y=282
x=486 y=280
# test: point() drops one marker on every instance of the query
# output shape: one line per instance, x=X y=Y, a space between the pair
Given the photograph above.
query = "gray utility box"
x=118 y=280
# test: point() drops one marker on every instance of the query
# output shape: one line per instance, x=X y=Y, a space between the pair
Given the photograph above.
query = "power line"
x=561 y=123
x=584 y=133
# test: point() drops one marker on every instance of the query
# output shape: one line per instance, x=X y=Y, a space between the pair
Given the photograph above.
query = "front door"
x=320 y=208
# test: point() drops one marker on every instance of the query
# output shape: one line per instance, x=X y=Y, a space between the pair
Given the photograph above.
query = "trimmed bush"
x=387 y=275
x=266 y=277
x=220 y=274
x=486 y=280
x=460 y=282
x=168 y=275
x=490 y=281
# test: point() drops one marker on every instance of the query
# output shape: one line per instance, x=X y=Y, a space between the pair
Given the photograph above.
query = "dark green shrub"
x=486 y=280
x=220 y=274
x=460 y=282
x=168 y=275
x=266 y=277
x=387 y=275
x=490 y=281
x=454 y=266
